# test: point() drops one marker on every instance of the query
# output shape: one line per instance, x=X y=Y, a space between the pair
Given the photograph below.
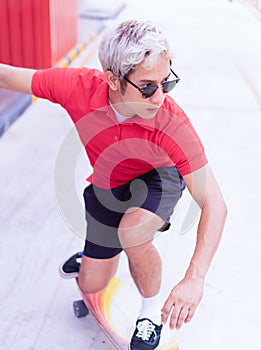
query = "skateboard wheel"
x=80 y=309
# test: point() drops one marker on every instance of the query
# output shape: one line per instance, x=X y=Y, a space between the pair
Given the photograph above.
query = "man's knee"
x=95 y=274
x=92 y=285
x=137 y=227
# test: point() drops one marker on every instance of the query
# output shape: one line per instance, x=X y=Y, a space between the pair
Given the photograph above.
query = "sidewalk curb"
x=13 y=111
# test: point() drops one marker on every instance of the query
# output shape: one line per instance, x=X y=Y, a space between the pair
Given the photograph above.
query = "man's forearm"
x=3 y=73
x=209 y=233
x=14 y=78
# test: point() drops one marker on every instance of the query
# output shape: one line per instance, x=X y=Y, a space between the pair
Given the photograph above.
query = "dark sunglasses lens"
x=148 y=91
x=169 y=85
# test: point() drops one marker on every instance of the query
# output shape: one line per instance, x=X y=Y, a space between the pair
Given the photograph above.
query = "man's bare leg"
x=145 y=268
x=136 y=231
x=95 y=274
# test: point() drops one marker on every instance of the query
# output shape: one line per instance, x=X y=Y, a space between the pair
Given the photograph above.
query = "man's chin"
x=149 y=113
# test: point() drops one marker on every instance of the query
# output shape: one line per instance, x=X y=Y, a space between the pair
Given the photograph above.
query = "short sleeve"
x=54 y=84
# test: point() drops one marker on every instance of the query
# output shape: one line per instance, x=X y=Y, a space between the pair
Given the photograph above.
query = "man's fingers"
x=174 y=317
x=166 y=310
x=179 y=314
x=190 y=314
x=182 y=316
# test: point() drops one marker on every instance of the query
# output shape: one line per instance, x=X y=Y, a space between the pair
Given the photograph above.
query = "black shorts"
x=157 y=191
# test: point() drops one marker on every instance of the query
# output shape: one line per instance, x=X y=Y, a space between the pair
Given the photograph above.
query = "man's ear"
x=113 y=81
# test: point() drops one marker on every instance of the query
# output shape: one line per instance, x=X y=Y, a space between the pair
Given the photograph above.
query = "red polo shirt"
x=119 y=153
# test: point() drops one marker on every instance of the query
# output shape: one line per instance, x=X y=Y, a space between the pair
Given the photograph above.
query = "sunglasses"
x=149 y=90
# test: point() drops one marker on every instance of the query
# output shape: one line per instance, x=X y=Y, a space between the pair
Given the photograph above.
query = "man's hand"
x=183 y=301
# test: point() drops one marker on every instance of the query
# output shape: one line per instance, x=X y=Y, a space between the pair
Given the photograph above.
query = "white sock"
x=150 y=309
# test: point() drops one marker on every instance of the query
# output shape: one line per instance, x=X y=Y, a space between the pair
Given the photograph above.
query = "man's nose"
x=158 y=97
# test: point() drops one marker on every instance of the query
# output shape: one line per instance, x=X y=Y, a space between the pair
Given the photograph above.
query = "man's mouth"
x=152 y=110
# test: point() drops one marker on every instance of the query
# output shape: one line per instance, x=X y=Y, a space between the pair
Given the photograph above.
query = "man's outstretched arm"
x=186 y=295
x=17 y=79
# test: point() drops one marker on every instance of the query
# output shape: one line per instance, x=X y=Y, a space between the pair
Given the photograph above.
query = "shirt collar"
x=148 y=124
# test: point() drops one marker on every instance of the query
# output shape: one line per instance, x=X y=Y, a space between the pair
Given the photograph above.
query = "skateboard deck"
x=115 y=310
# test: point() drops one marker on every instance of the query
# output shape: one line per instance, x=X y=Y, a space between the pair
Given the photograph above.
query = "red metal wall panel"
x=27 y=30
x=37 y=33
x=63 y=15
x=15 y=35
x=5 y=54
x=44 y=36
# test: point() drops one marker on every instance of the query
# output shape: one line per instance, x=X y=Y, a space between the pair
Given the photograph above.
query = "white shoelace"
x=145 y=329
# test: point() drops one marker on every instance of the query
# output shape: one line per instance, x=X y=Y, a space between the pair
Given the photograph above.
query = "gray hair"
x=131 y=43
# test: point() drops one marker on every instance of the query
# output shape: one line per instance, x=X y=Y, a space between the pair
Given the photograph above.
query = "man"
x=143 y=151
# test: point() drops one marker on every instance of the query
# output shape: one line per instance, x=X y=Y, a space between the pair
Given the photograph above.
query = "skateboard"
x=115 y=311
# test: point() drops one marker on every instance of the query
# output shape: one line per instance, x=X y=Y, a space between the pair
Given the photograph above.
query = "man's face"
x=132 y=101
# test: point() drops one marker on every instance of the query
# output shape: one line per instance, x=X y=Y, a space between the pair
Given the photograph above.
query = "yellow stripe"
x=89 y=56
x=107 y=298
x=74 y=52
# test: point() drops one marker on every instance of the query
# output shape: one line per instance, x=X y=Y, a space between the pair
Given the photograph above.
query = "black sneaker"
x=146 y=335
x=71 y=267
